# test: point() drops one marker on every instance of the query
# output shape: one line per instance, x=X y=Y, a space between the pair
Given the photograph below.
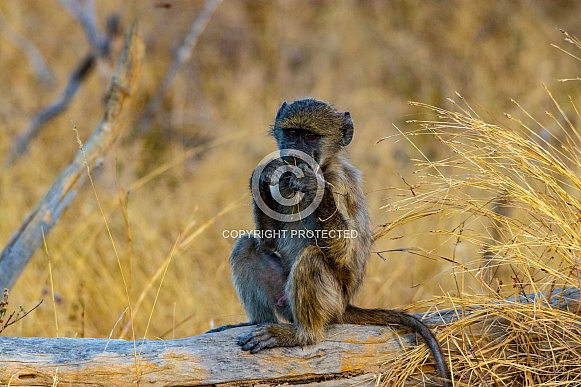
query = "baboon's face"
x=313 y=127
x=302 y=140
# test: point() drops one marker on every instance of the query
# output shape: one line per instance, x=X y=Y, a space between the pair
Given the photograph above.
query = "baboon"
x=308 y=279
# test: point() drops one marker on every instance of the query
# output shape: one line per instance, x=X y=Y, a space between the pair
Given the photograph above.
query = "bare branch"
x=41 y=69
x=38 y=122
x=22 y=245
x=84 y=12
x=182 y=55
x=100 y=48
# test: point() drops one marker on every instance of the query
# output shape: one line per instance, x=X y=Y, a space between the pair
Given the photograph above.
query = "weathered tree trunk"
x=194 y=361
x=350 y=356
x=26 y=240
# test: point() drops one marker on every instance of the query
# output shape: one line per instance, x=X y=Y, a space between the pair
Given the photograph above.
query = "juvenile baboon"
x=309 y=278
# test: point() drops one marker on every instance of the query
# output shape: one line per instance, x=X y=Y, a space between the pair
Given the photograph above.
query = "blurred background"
x=177 y=181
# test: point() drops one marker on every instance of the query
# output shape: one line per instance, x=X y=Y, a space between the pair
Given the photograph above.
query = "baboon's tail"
x=355 y=315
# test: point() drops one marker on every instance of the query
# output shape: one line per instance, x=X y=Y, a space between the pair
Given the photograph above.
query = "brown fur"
x=310 y=282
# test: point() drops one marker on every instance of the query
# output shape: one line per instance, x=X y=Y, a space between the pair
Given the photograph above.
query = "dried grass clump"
x=514 y=191
x=6 y=319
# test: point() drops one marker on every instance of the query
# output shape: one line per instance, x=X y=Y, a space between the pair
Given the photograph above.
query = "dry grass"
x=168 y=196
x=514 y=190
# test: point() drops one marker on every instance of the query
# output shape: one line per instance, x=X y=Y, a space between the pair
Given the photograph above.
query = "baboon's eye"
x=310 y=136
x=292 y=133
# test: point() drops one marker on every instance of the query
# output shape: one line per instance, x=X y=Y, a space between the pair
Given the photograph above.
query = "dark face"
x=313 y=127
x=300 y=139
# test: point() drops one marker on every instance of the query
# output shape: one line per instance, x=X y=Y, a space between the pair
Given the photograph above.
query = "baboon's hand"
x=271 y=173
x=303 y=179
x=269 y=336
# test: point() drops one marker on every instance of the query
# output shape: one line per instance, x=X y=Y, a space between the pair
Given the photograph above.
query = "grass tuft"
x=514 y=190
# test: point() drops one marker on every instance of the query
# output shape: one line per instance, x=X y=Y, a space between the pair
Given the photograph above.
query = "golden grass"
x=187 y=181
x=514 y=190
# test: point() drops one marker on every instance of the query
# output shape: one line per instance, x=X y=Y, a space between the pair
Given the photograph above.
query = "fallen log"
x=206 y=359
x=350 y=356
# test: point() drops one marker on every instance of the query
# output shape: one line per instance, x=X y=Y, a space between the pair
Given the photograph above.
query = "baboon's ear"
x=280 y=110
x=347 y=128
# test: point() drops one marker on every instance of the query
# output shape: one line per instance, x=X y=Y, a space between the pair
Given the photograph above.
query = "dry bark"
x=350 y=356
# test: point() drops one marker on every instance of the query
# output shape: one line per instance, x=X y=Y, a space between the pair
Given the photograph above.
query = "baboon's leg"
x=315 y=294
x=258 y=278
x=315 y=299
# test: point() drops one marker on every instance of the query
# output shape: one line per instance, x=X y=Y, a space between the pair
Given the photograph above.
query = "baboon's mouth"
x=290 y=160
